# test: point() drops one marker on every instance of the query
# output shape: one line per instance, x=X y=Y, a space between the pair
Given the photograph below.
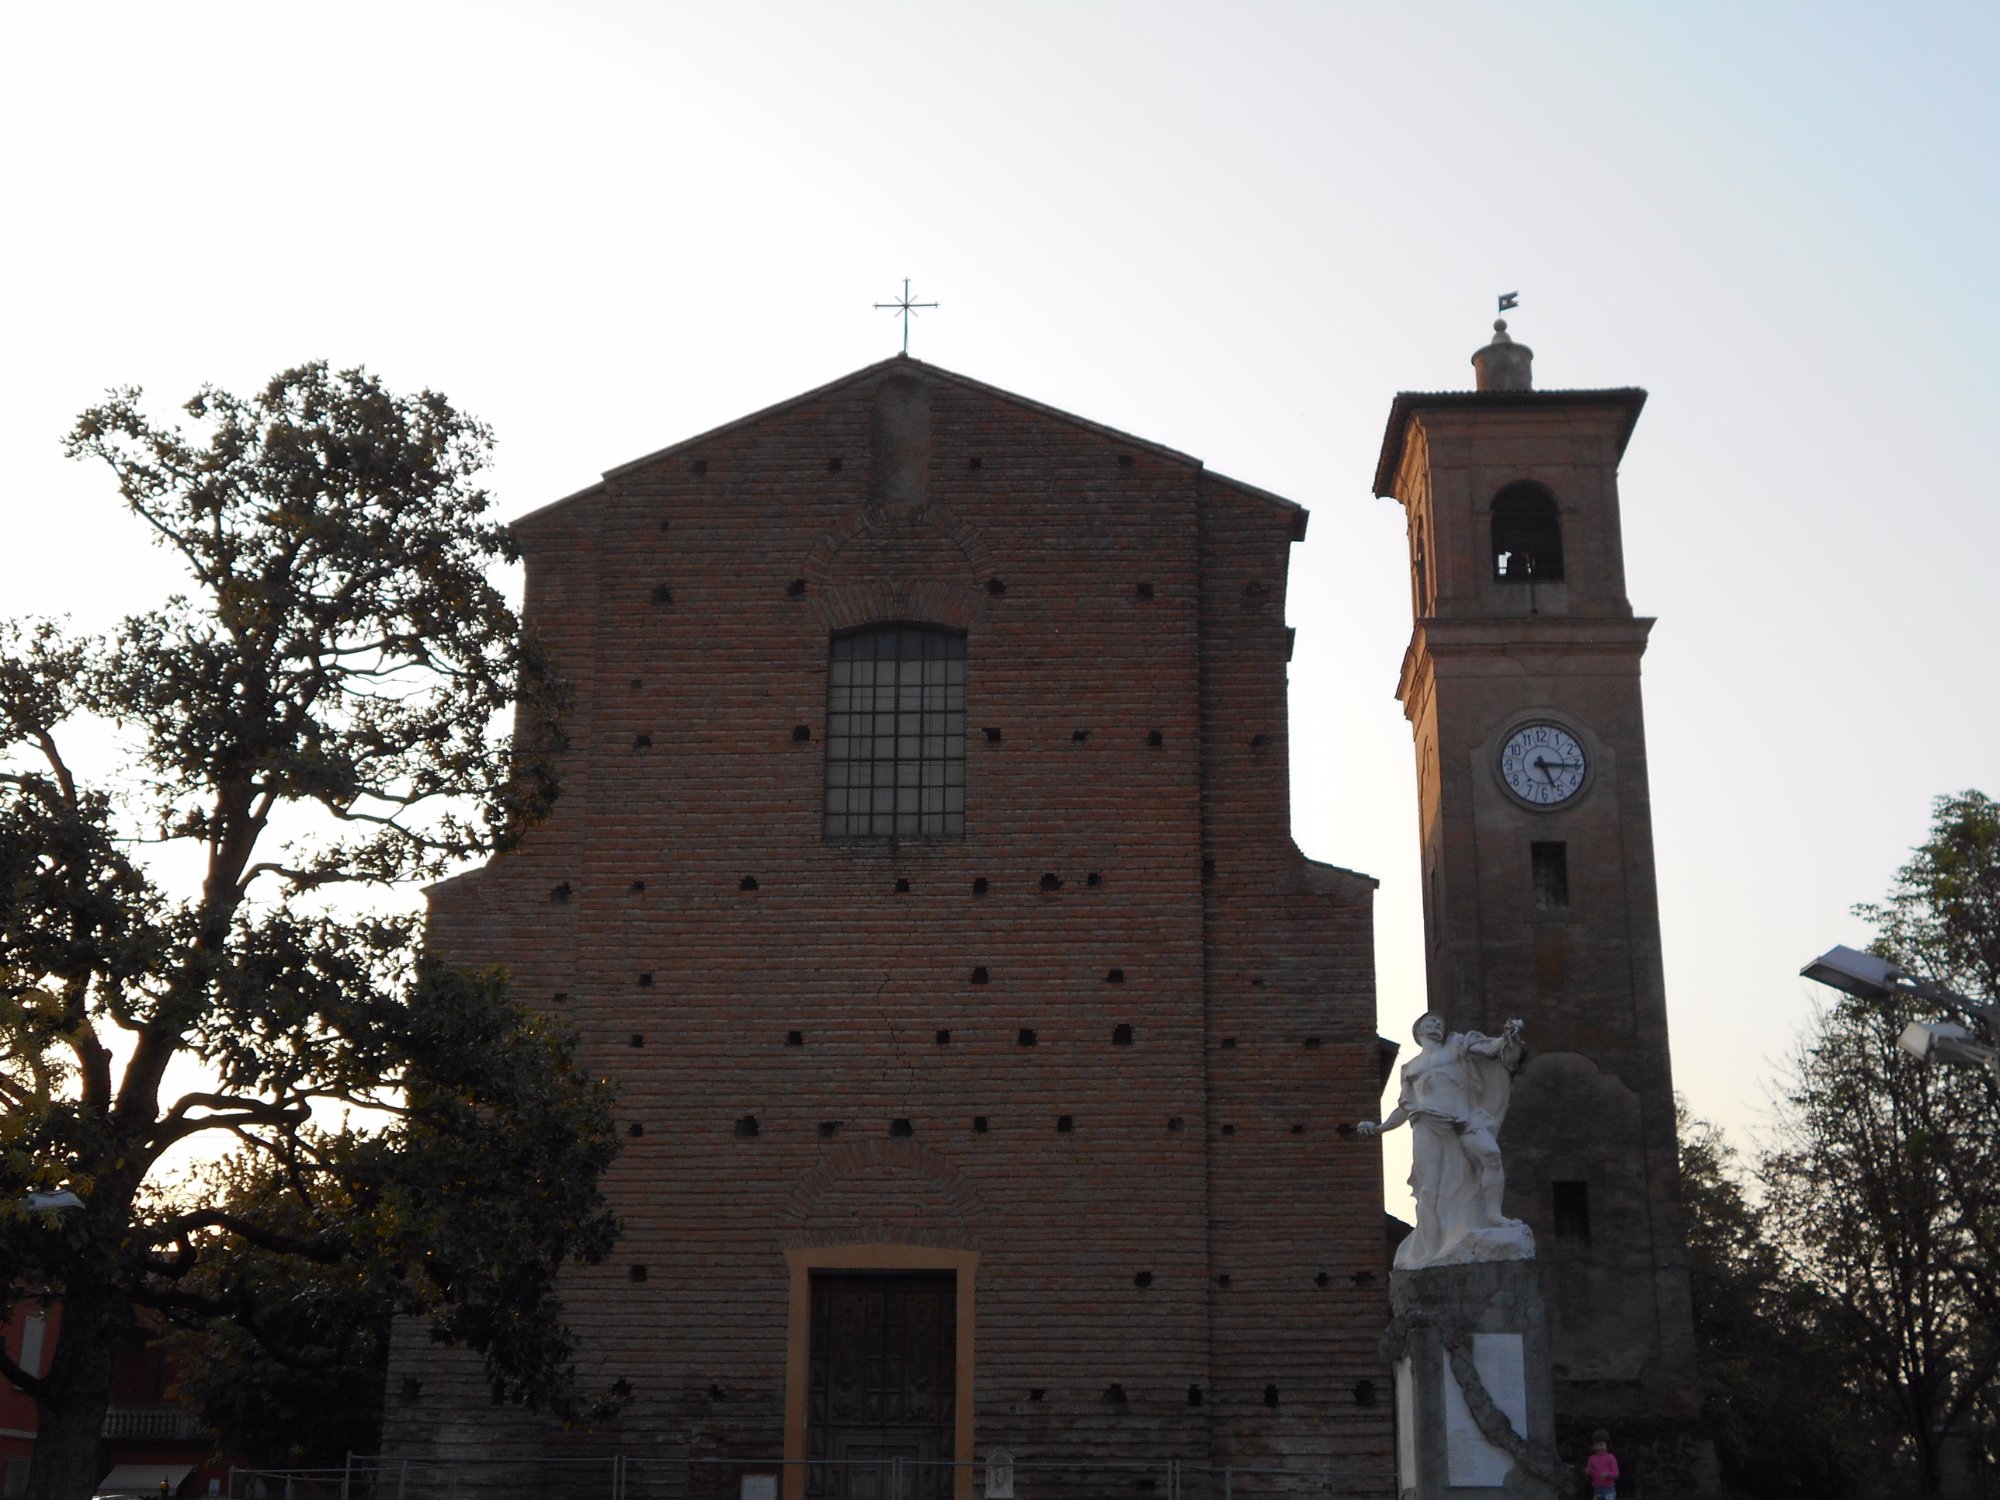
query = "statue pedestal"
x=1475 y=1405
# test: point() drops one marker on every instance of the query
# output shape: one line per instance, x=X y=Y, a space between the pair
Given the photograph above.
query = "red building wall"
x=19 y=1420
x=145 y=1426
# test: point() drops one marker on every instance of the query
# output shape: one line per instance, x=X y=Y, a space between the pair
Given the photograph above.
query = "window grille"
x=895 y=734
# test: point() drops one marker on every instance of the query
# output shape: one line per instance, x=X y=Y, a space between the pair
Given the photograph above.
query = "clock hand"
x=1543 y=763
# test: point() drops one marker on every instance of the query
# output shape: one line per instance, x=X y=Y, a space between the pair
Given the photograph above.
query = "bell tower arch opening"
x=1527 y=535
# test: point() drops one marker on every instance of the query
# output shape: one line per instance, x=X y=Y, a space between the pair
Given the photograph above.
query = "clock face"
x=1542 y=764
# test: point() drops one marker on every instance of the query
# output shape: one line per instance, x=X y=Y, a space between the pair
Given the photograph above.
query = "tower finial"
x=1504 y=365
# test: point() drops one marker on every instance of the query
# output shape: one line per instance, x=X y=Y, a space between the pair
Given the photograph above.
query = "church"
x=988 y=1056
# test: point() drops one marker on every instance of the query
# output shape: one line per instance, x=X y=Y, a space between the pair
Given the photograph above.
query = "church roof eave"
x=1327 y=874
x=1298 y=512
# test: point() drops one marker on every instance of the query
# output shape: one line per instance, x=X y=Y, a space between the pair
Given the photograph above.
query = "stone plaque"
x=1470 y=1461
x=758 y=1487
x=1406 y=1428
x=999 y=1475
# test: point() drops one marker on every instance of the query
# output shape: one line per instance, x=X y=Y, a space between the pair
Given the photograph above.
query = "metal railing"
x=655 y=1476
x=158 y=1420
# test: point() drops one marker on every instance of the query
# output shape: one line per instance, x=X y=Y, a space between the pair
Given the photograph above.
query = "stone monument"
x=1475 y=1404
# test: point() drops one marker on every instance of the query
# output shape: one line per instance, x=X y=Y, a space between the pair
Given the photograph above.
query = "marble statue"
x=1454 y=1098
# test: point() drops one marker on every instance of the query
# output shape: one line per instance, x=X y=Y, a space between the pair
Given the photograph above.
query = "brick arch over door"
x=881 y=1192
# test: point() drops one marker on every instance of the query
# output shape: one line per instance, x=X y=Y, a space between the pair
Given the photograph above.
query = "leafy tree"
x=1875 y=1227
x=1942 y=918
x=316 y=712
x=1941 y=924
x=1785 y=1418
x=324 y=1398
x=1887 y=1174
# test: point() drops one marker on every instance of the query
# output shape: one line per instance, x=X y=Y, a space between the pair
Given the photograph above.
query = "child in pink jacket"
x=1602 y=1467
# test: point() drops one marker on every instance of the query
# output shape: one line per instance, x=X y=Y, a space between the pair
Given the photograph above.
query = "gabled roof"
x=936 y=373
x=1409 y=403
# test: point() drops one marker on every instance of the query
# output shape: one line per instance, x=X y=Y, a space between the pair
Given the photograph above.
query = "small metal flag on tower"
x=908 y=309
x=1509 y=300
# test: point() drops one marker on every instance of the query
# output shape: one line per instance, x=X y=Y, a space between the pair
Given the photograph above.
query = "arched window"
x=895 y=734
x=1527 y=535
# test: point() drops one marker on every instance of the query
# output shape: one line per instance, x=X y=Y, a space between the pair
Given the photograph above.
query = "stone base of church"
x=1475 y=1404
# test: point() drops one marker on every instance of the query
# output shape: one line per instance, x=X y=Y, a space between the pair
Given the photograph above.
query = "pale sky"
x=1234 y=230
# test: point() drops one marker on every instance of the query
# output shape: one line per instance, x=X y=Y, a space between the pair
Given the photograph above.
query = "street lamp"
x=1859 y=974
x=1867 y=977
x=60 y=1199
x=1941 y=1041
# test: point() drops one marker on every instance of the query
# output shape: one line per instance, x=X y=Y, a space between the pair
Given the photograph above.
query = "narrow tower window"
x=1433 y=917
x=1527 y=536
x=895 y=736
x=1550 y=864
x=1571 y=1204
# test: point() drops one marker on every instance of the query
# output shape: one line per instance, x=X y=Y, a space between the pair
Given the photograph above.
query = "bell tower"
x=1521 y=685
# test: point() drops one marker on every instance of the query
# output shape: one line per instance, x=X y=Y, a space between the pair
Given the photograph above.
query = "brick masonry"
x=1593 y=1112
x=1204 y=1232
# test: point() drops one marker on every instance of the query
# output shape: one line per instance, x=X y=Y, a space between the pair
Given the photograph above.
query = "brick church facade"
x=987 y=1052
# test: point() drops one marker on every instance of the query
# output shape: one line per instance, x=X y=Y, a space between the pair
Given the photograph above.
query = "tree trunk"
x=69 y=1450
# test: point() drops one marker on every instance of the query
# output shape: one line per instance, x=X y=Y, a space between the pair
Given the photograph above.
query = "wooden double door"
x=881 y=1403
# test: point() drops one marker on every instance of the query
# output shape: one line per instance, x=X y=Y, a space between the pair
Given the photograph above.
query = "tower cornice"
x=1409 y=405
x=1437 y=640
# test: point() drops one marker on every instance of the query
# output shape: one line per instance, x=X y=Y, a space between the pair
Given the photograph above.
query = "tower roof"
x=1410 y=404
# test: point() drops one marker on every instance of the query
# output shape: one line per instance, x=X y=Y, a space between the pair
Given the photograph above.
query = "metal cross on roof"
x=908 y=309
